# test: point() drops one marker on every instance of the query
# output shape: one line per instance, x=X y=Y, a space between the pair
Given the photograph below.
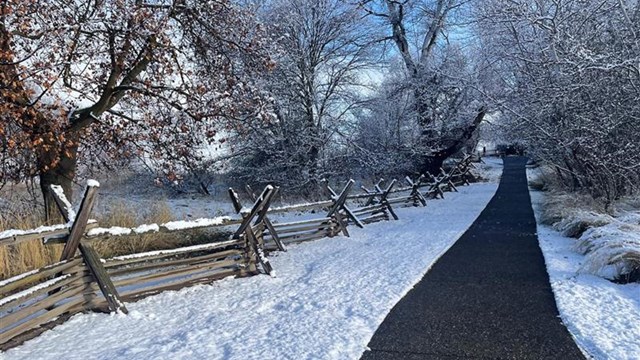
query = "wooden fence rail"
x=33 y=302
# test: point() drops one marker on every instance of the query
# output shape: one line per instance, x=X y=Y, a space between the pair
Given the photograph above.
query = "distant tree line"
x=566 y=79
x=293 y=91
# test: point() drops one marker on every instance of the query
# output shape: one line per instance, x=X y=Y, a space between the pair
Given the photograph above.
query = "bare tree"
x=324 y=50
x=416 y=27
x=567 y=77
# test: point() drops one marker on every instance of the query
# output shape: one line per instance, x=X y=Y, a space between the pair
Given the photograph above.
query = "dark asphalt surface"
x=488 y=297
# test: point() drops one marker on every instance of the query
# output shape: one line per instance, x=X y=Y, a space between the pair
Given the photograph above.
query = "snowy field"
x=603 y=317
x=328 y=299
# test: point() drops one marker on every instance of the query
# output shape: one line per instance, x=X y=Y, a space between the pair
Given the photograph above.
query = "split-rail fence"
x=81 y=281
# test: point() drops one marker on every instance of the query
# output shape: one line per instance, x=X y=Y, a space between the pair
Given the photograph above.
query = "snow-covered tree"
x=324 y=50
x=567 y=77
x=435 y=72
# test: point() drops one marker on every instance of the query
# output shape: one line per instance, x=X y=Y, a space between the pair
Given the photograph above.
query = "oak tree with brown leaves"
x=122 y=77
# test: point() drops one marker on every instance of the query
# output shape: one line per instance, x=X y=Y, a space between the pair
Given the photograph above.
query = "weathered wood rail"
x=33 y=302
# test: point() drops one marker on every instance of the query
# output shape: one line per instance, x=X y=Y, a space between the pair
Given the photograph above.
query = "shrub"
x=612 y=251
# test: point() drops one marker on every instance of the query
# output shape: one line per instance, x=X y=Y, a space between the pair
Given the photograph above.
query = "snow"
x=113 y=231
x=171 y=226
x=69 y=209
x=29 y=273
x=284 y=208
x=174 y=251
x=182 y=225
x=491 y=170
x=41 y=229
x=603 y=317
x=18 y=277
x=327 y=301
x=146 y=228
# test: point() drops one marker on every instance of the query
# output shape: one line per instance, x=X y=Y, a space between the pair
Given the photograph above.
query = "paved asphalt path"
x=488 y=297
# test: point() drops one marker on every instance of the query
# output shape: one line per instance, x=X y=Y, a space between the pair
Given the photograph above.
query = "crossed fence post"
x=384 y=195
x=416 y=195
x=372 y=199
x=465 y=171
x=339 y=204
x=267 y=223
x=468 y=165
x=74 y=243
x=434 y=189
x=461 y=170
x=257 y=212
x=447 y=177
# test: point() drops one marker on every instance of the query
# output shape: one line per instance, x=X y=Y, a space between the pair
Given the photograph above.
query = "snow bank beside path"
x=491 y=170
x=602 y=316
x=327 y=301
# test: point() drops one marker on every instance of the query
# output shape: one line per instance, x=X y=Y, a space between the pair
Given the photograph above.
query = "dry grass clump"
x=29 y=255
x=576 y=222
x=561 y=206
x=537 y=184
x=610 y=243
x=612 y=251
x=123 y=215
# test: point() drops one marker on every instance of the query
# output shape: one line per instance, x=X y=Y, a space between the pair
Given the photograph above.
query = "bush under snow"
x=611 y=251
x=610 y=243
x=577 y=222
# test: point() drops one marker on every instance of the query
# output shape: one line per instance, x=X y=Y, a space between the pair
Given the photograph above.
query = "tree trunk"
x=422 y=107
x=434 y=161
x=61 y=174
x=313 y=161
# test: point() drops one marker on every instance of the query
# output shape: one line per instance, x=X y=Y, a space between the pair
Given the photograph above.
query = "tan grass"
x=31 y=255
x=127 y=216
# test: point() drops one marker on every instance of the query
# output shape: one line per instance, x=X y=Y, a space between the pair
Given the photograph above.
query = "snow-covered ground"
x=491 y=170
x=328 y=299
x=603 y=317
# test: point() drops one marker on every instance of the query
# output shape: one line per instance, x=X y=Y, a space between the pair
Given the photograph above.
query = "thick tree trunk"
x=434 y=161
x=61 y=174
x=422 y=106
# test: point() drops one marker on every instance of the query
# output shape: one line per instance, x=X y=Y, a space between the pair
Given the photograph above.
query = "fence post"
x=447 y=178
x=416 y=196
x=371 y=200
x=383 y=198
x=90 y=257
x=267 y=223
x=339 y=204
x=435 y=187
x=250 y=255
x=80 y=222
x=258 y=211
x=105 y=284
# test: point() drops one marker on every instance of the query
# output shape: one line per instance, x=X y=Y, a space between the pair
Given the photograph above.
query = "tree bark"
x=422 y=107
x=61 y=174
x=434 y=161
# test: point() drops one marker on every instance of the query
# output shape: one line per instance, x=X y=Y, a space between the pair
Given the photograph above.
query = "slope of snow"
x=327 y=301
x=491 y=170
x=603 y=317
